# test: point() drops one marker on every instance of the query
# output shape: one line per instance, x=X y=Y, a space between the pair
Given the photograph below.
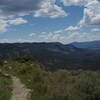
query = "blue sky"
x=63 y=21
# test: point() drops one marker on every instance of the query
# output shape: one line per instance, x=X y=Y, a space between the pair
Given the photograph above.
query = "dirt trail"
x=19 y=91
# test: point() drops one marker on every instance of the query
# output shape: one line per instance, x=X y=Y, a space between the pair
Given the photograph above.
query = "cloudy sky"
x=49 y=20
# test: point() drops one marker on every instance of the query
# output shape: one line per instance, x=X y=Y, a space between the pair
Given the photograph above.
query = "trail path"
x=19 y=91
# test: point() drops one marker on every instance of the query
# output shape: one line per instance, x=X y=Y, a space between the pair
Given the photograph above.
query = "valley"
x=53 y=55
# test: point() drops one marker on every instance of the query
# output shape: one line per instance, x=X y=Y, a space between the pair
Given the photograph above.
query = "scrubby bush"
x=25 y=59
x=54 y=85
x=88 y=86
x=5 y=88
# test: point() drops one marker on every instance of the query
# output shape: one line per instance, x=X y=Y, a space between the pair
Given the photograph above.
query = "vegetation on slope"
x=5 y=88
x=54 y=85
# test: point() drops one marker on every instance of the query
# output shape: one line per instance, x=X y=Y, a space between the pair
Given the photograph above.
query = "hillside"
x=53 y=55
x=46 y=84
x=95 y=45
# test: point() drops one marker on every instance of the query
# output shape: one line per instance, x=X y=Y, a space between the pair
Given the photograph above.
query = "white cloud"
x=43 y=33
x=68 y=38
x=50 y=9
x=91 y=14
x=43 y=8
x=52 y=37
x=9 y=9
x=32 y=34
x=17 y=21
x=75 y=2
x=3 y=26
x=55 y=37
x=58 y=31
x=96 y=20
x=20 y=40
x=71 y=28
x=95 y=30
x=4 y=41
x=76 y=36
x=91 y=10
x=80 y=37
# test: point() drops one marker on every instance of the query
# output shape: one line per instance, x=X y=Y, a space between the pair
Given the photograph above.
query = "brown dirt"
x=20 y=92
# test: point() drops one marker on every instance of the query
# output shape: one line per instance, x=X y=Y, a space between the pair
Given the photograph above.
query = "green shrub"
x=88 y=86
x=52 y=85
x=25 y=59
x=5 y=88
